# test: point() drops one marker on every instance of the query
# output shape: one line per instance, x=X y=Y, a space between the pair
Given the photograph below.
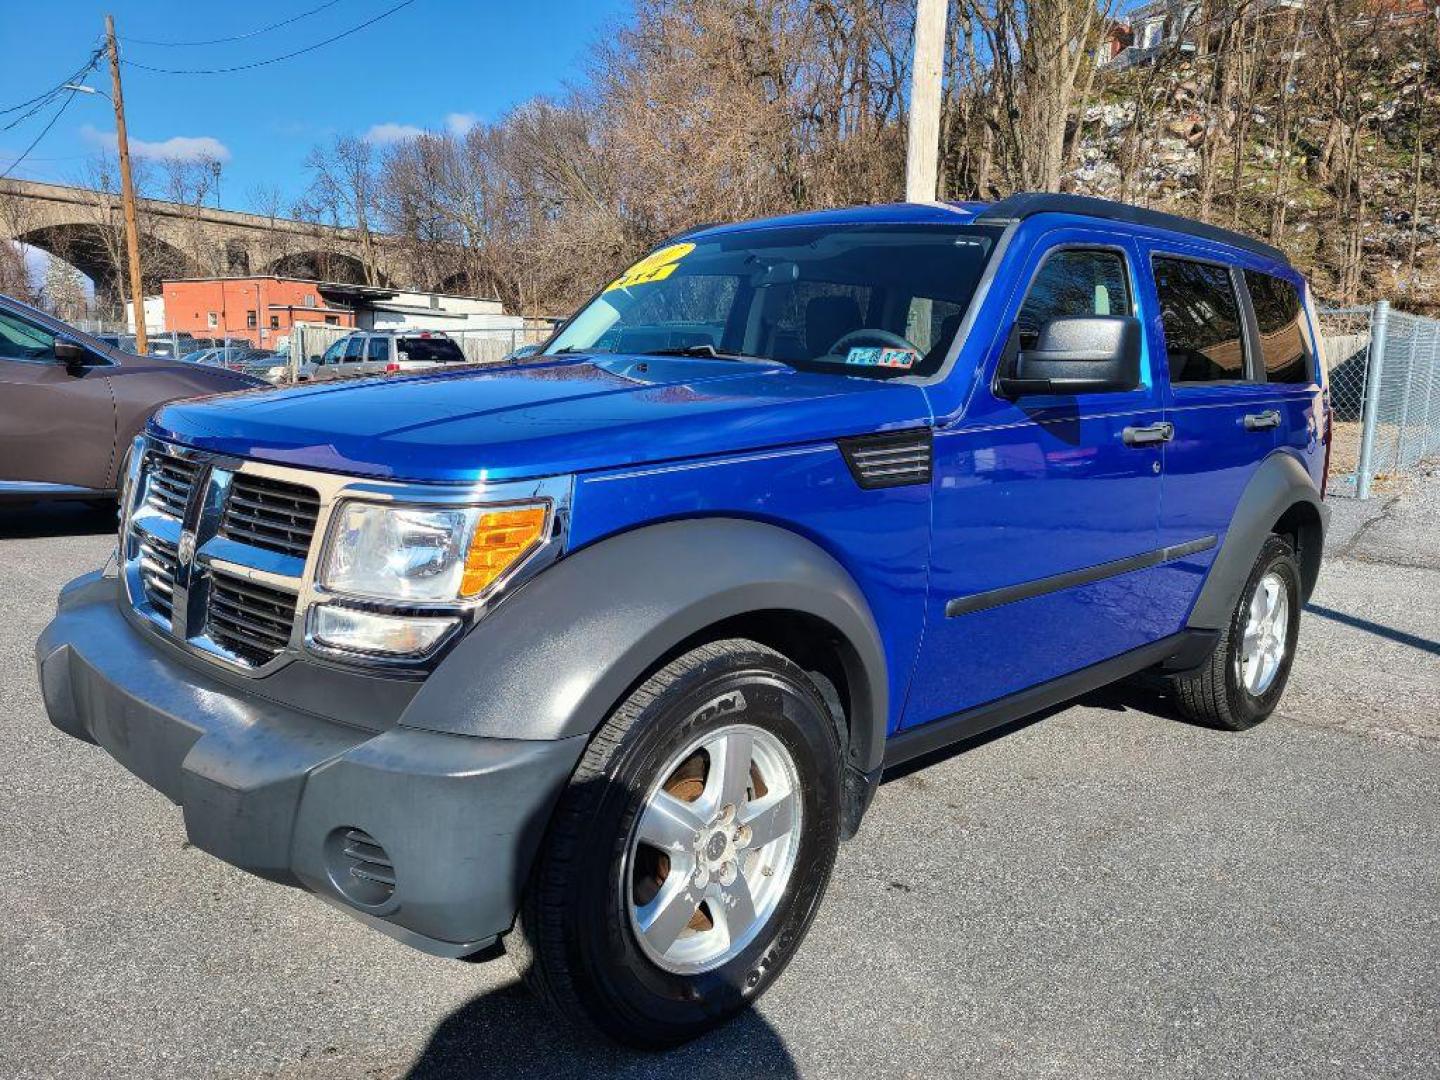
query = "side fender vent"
x=890 y=460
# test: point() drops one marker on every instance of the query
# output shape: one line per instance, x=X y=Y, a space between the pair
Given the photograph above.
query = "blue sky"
x=433 y=63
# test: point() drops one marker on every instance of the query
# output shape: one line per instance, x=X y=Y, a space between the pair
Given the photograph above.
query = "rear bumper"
x=275 y=791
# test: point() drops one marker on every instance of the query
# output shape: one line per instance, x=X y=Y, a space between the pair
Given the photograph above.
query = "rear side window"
x=1074 y=283
x=1201 y=317
x=1284 y=345
x=438 y=350
x=379 y=349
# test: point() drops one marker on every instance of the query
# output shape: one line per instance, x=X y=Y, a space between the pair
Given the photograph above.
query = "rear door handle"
x=1260 y=421
x=1148 y=435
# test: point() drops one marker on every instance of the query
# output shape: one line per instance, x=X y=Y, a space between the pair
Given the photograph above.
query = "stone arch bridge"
x=85 y=228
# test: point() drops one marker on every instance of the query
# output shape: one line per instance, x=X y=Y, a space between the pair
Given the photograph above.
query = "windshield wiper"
x=707 y=350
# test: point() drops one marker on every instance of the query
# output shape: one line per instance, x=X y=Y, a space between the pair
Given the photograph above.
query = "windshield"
x=872 y=300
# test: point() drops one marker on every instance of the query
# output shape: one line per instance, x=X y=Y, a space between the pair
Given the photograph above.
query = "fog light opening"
x=360 y=868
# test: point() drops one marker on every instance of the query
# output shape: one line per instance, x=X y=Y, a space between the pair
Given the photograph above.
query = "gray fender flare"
x=1279 y=488
x=553 y=660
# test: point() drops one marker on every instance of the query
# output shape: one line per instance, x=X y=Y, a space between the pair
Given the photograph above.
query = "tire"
x=578 y=941
x=1220 y=693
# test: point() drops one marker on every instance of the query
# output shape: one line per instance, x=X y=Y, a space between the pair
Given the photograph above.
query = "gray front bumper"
x=269 y=788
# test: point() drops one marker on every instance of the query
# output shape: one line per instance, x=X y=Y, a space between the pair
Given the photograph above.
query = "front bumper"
x=276 y=791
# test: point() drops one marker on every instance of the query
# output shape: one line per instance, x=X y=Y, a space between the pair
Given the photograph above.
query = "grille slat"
x=159 y=563
x=251 y=620
x=169 y=482
x=271 y=514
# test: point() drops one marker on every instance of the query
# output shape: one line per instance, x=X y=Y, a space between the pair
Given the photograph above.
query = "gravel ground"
x=1107 y=892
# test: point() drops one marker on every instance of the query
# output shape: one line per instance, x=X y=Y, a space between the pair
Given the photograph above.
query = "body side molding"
x=1009 y=594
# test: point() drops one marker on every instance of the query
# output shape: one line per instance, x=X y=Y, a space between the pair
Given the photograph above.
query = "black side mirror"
x=71 y=355
x=1086 y=355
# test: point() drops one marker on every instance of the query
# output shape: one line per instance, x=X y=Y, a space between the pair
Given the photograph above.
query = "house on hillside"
x=1162 y=26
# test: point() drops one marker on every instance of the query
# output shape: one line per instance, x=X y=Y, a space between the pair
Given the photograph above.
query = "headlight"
x=414 y=554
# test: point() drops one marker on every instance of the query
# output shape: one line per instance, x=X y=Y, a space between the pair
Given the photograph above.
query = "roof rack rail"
x=1025 y=204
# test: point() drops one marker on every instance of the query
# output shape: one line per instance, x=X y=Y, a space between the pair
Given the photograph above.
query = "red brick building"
x=260 y=309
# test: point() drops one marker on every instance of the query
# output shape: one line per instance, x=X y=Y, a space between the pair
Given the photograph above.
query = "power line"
x=36 y=141
x=39 y=101
x=273 y=59
x=235 y=37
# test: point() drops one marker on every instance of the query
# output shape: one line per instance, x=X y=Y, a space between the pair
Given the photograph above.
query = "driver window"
x=354 y=348
x=1074 y=282
x=21 y=340
x=333 y=353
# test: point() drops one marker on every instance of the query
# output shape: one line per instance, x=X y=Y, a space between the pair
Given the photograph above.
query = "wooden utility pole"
x=922 y=164
x=127 y=191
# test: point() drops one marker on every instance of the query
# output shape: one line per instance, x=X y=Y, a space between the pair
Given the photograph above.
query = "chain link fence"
x=308 y=341
x=1384 y=368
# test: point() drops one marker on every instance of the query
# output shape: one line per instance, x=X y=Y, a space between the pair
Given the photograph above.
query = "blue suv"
x=603 y=653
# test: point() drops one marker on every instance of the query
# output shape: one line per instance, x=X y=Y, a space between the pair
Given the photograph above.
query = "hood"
x=545 y=419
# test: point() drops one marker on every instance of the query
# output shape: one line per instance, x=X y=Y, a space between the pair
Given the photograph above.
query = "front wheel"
x=690 y=850
x=1241 y=683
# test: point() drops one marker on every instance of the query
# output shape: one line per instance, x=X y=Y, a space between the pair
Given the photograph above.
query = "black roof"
x=1026 y=204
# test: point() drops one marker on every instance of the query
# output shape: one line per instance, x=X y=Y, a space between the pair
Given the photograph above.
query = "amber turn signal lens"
x=501 y=538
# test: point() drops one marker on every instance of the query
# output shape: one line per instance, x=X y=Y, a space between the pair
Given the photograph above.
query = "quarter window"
x=1284 y=343
x=379 y=349
x=1201 y=318
x=1073 y=283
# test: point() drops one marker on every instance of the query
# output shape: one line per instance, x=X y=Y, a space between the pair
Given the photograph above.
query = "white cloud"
x=381 y=134
x=460 y=123
x=176 y=148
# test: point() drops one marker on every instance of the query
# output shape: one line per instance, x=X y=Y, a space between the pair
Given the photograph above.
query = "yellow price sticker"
x=656 y=266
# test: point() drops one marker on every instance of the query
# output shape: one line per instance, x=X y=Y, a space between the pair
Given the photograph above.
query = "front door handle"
x=1260 y=421
x=1148 y=435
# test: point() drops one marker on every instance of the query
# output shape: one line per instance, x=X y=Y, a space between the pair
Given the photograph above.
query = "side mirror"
x=70 y=354
x=1088 y=355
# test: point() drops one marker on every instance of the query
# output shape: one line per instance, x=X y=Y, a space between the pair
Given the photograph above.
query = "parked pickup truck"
x=603 y=654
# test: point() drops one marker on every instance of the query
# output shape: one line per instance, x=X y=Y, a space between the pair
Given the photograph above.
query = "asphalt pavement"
x=1105 y=892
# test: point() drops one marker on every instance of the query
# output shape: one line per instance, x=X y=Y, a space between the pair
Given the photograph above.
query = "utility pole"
x=127 y=191
x=922 y=165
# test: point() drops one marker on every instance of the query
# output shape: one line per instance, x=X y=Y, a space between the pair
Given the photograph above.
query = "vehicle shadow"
x=1140 y=693
x=509 y=1033
x=27 y=521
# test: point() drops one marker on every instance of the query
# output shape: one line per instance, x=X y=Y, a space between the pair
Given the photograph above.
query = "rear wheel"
x=1241 y=683
x=690 y=851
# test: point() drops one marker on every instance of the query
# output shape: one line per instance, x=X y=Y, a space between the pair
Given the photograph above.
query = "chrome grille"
x=159 y=564
x=169 y=480
x=252 y=620
x=271 y=514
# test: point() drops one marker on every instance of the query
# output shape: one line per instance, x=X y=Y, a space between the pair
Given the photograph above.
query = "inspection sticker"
x=656 y=266
x=875 y=356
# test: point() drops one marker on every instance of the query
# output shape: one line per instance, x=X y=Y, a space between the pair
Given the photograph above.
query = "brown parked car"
x=70 y=404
